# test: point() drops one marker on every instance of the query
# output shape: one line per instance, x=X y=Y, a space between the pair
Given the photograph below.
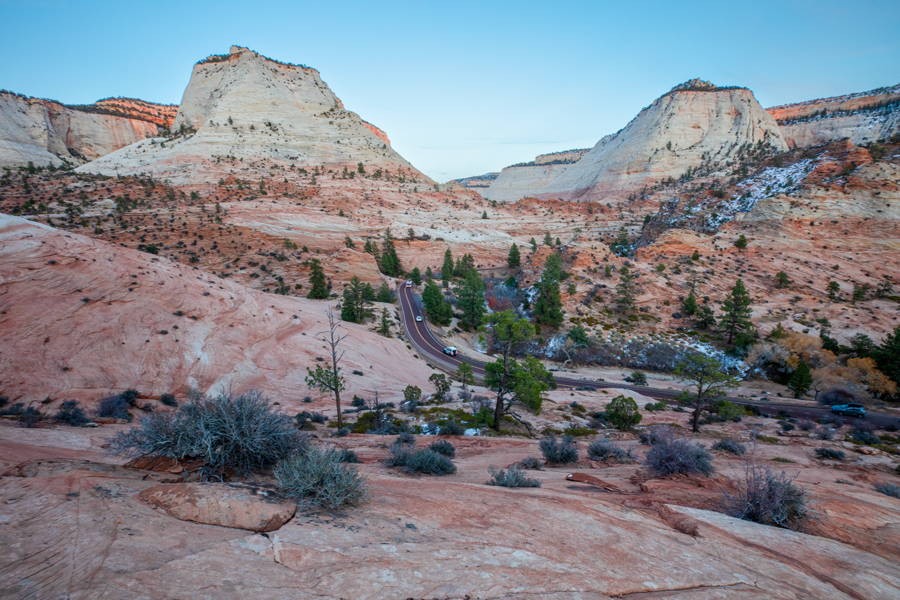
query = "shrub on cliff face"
x=242 y=433
x=71 y=414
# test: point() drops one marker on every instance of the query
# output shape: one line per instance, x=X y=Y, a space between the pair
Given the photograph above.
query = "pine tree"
x=416 y=276
x=736 y=311
x=368 y=247
x=484 y=215
x=349 y=243
x=348 y=309
x=834 y=288
x=548 y=304
x=438 y=310
x=369 y=293
x=447 y=268
x=390 y=262
x=428 y=273
x=533 y=245
x=384 y=293
x=782 y=280
x=319 y=289
x=385 y=327
x=513 y=260
x=471 y=300
x=689 y=306
x=741 y=242
x=626 y=290
x=548 y=241
x=801 y=380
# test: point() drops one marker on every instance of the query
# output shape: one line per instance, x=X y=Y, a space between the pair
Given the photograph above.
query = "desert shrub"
x=511 y=478
x=806 y=425
x=888 y=489
x=670 y=454
x=317 y=417
x=443 y=447
x=168 y=400
x=650 y=436
x=303 y=422
x=836 y=396
x=637 y=378
x=729 y=411
x=114 y=407
x=622 y=413
x=451 y=427
x=656 y=406
x=358 y=402
x=341 y=432
x=16 y=409
x=428 y=462
x=30 y=417
x=606 y=450
x=242 y=433
x=464 y=395
x=71 y=414
x=823 y=433
x=830 y=454
x=765 y=497
x=530 y=462
x=129 y=396
x=731 y=446
x=864 y=437
x=348 y=456
x=320 y=478
x=785 y=426
x=559 y=452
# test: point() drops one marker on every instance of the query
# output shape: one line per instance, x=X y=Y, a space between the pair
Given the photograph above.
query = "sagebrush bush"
x=604 y=449
x=785 y=426
x=731 y=446
x=342 y=432
x=650 y=436
x=320 y=478
x=230 y=433
x=71 y=414
x=559 y=452
x=168 y=400
x=765 y=497
x=824 y=433
x=30 y=417
x=443 y=447
x=865 y=437
x=531 y=462
x=806 y=425
x=830 y=454
x=511 y=478
x=888 y=489
x=836 y=396
x=670 y=454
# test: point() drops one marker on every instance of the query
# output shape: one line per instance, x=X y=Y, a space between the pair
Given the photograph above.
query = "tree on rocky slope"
x=328 y=379
x=548 y=303
x=735 y=320
x=471 y=300
x=801 y=380
x=464 y=374
x=319 y=289
x=353 y=308
x=447 y=268
x=515 y=383
x=390 y=262
x=626 y=290
x=438 y=310
x=513 y=260
x=705 y=374
x=689 y=306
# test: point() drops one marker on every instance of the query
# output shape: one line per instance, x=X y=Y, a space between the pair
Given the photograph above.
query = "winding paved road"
x=421 y=336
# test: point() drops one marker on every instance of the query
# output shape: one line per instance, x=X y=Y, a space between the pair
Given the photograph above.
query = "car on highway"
x=419 y=319
x=450 y=351
x=851 y=410
x=409 y=283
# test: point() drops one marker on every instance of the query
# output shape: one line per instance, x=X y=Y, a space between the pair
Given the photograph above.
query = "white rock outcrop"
x=241 y=107
x=43 y=131
x=696 y=122
x=523 y=180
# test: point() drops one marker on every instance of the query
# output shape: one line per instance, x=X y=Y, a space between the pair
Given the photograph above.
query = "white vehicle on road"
x=450 y=351
x=409 y=283
x=418 y=319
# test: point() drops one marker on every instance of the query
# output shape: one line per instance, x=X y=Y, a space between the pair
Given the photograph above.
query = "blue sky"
x=460 y=87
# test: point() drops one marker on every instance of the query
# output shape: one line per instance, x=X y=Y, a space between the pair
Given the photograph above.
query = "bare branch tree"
x=329 y=380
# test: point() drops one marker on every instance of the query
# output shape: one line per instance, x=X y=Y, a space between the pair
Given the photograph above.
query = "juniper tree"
x=705 y=374
x=464 y=374
x=384 y=293
x=626 y=290
x=689 y=306
x=447 y=268
x=782 y=280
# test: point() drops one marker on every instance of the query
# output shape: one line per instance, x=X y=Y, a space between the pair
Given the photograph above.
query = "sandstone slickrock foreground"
x=74 y=527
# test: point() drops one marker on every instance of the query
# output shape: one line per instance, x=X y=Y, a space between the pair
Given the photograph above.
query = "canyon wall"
x=527 y=179
x=44 y=131
x=864 y=118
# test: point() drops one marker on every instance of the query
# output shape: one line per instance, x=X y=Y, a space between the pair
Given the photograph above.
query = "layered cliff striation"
x=864 y=118
x=242 y=106
x=694 y=125
x=49 y=132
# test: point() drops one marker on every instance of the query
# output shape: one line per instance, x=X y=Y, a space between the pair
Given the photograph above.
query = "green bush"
x=830 y=454
x=622 y=413
x=403 y=454
x=605 y=450
x=768 y=498
x=730 y=446
x=511 y=478
x=320 y=478
x=670 y=455
x=559 y=453
x=71 y=414
x=443 y=447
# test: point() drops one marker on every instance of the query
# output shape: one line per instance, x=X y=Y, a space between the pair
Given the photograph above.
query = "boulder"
x=225 y=504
